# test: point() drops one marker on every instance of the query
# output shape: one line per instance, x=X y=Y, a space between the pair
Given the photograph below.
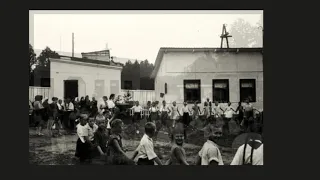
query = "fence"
x=33 y=91
x=143 y=96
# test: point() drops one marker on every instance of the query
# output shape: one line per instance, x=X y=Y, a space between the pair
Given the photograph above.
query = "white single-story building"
x=220 y=74
x=77 y=77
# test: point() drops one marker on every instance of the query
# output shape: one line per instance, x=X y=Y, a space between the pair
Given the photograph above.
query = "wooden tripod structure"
x=225 y=35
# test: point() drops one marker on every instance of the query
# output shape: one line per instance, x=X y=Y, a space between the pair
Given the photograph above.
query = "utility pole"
x=72 y=44
x=225 y=35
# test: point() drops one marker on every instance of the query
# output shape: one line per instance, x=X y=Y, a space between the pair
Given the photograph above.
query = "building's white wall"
x=206 y=66
x=86 y=76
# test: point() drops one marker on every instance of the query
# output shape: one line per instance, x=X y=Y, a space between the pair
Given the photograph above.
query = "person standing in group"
x=178 y=154
x=38 y=112
x=196 y=113
x=115 y=152
x=175 y=114
x=154 y=111
x=87 y=105
x=217 y=110
x=164 y=117
x=82 y=105
x=136 y=116
x=84 y=145
x=68 y=119
x=229 y=111
x=61 y=109
x=185 y=118
x=239 y=110
x=210 y=153
x=206 y=112
x=46 y=109
x=208 y=102
x=110 y=102
x=102 y=104
x=53 y=123
x=248 y=115
x=145 y=151
x=94 y=107
x=251 y=152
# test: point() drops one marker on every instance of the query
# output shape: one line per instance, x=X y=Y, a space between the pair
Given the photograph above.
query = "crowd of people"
x=99 y=127
x=99 y=144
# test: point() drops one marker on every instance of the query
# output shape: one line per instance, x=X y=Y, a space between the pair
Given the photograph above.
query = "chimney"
x=107 y=46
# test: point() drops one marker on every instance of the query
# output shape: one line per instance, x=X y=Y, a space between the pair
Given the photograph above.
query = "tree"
x=32 y=62
x=246 y=35
x=42 y=69
x=138 y=74
x=32 y=58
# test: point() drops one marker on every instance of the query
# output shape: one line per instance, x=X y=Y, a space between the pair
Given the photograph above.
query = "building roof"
x=91 y=61
x=163 y=50
x=105 y=52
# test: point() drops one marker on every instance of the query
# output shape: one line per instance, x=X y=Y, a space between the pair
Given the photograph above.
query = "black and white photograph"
x=146 y=87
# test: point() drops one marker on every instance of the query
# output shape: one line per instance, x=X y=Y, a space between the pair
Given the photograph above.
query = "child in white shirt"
x=83 y=148
x=210 y=153
x=145 y=151
x=136 y=115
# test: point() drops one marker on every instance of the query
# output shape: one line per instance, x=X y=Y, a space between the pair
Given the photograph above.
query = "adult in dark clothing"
x=82 y=104
x=45 y=113
x=240 y=113
x=87 y=104
x=94 y=106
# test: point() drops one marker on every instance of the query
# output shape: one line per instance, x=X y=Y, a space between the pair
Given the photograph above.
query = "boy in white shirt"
x=227 y=118
x=136 y=115
x=210 y=153
x=145 y=151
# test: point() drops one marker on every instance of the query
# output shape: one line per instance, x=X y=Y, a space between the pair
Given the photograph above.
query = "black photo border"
x=275 y=60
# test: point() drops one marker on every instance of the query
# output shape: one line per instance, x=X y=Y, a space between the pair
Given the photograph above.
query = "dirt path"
x=60 y=151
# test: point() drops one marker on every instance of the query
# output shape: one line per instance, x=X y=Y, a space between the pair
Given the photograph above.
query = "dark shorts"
x=185 y=118
x=136 y=117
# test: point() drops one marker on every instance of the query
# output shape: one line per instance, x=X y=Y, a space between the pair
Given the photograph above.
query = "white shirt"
x=228 y=112
x=247 y=107
x=110 y=104
x=137 y=108
x=145 y=148
x=210 y=152
x=257 y=158
x=38 y=105
x=101 y=104
x=70 y=106
x=59 y=106
x=164 y=108
x=216 y=109
x=185 y=109
x=153 y=109
x=82 y=131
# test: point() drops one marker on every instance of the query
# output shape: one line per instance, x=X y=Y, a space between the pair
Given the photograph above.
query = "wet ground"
x=60 y=151
x=46 y=150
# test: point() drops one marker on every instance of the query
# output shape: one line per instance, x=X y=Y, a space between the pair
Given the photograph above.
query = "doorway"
x=70 y=88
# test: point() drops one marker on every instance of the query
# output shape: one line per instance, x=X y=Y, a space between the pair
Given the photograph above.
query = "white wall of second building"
x=89 y=77
x=206 y=66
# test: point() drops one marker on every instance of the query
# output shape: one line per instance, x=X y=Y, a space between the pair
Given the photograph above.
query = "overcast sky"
x=137 y=35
